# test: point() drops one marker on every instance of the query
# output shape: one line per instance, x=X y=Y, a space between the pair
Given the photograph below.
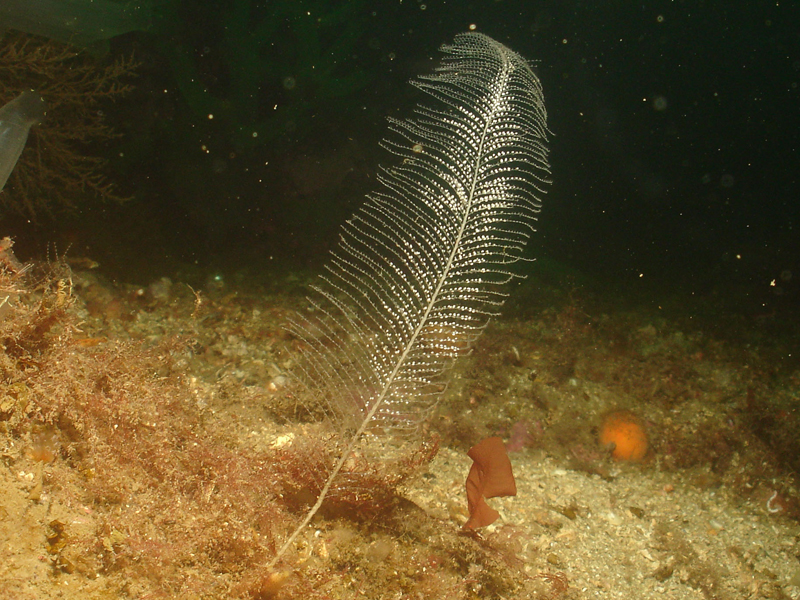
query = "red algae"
x=144 y=490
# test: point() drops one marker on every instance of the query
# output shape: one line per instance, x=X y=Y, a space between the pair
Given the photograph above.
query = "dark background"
x=674 y=154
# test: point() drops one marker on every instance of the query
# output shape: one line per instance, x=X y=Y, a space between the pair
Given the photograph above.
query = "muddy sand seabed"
x=152 y=448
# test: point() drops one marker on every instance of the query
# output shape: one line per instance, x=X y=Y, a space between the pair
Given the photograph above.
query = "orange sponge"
x=623 y=433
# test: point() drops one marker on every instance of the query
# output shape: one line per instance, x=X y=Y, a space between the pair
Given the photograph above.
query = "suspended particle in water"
x=660 y=103
x=289 y=83
x=727 y=180
x=219 y=165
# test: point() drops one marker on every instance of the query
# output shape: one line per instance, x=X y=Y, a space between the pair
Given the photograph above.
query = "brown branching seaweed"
x=134 y=484
x=56 y=169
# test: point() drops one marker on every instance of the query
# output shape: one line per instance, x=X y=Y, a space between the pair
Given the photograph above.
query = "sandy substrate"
x=711 y=511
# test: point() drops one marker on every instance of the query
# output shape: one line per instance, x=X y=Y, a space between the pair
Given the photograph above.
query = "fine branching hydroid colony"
x=425 y=263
